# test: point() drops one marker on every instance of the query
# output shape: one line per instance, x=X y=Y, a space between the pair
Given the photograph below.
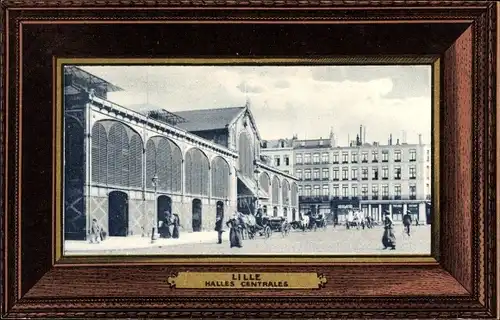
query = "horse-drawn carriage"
x=279 y=224
x=310 y=222
x=253 y=226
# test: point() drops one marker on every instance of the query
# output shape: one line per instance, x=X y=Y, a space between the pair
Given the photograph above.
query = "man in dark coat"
x=218 y=228
x=407 y=222
x=176 y=222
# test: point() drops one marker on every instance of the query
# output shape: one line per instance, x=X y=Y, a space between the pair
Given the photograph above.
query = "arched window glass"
x=264 y=182
x=175 y=168
x=150 y=163
x=163 y=158
x=295 y=191
x=135 y=161
x=246 y=156
x=118 y=152
x=276 y=190
x=99 y=154
x=285 y=189
x=220 y=178
x=197 y=172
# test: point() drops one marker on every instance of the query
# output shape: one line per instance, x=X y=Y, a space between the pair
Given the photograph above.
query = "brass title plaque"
x=264 y=280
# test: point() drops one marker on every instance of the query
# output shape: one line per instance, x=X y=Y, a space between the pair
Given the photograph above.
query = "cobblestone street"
x=330 y=241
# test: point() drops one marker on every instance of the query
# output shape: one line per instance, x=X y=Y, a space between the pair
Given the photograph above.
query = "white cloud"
x=285 y=100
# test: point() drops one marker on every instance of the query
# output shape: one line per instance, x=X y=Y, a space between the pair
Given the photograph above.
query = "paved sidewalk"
x=137 y=242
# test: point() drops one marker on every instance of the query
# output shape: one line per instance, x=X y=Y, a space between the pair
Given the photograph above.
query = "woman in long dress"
x=234 y=232
x=165 y=227
x=388 y=239
x=176 y=222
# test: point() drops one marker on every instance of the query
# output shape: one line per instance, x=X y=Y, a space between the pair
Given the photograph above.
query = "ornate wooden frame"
x=461 y=282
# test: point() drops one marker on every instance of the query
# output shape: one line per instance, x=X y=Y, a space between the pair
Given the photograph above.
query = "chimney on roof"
x=360 y=134
x=358 y=142
x=397 y=141
x=420 y=139
x=390 y=139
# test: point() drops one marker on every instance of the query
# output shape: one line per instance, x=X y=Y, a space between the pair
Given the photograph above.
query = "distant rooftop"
x=75 y=76
x=208 y=119
x=313 y=143
x=280 y=143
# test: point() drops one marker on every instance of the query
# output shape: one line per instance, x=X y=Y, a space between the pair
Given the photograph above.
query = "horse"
x=320 y=221
x=251 y=224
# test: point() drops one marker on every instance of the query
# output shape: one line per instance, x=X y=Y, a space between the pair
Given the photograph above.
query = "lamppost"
x=256 y=172
x=154 y=181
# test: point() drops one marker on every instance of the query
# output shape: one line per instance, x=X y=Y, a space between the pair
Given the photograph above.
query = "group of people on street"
x=96 y=233
x=169 y=220
x=235 y=230
x=389 y=238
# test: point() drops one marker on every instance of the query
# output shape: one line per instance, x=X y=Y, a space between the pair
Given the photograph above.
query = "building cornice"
x=160 y=126
x=272 y=169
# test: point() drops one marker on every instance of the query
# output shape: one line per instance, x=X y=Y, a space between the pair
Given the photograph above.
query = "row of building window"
x=117 y=160
x=314 y=174
x=277 y=160
x=317 y=191
x=325 y=157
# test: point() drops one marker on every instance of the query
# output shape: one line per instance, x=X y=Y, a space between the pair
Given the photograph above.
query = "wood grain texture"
x=463 y=34
x=342 y=281
x=456 y=171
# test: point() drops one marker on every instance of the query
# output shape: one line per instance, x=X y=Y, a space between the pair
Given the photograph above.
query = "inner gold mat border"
x=243 y=260
x=312 y=60
x=305 y=259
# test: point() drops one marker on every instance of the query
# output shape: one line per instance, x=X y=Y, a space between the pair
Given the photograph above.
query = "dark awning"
x=252 y=187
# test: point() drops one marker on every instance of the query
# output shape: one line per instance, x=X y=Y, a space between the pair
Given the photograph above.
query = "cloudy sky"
x=304 y=100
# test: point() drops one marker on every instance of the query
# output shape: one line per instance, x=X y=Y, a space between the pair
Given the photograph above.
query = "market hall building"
x=259 y=183
x=126 y=168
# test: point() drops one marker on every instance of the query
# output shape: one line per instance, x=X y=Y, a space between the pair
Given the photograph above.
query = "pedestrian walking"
x=234 y=232
x=164 y=230
x=335 y=219
x=218 y=228
x=389 y=238
x=176 y=223
x=407 y=222
x=95 y=232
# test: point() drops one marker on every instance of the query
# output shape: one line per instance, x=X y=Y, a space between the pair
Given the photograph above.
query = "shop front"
x=341 y=207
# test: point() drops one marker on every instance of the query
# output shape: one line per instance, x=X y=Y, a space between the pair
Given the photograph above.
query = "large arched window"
x=135 y=161
x=264 y=182
x=295 y=191
x=220 y=178
x=163 y=159
x=150 y=163
x=246 y=156
x=276 y=190
x=118 y=153
x=99 y=154
x=197 y=168
x=285 y=190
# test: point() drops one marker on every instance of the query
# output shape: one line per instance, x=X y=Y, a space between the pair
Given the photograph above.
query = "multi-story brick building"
x=372 y=177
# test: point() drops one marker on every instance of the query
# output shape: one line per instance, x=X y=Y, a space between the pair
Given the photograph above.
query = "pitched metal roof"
x=208 y=119
x=90 y=78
